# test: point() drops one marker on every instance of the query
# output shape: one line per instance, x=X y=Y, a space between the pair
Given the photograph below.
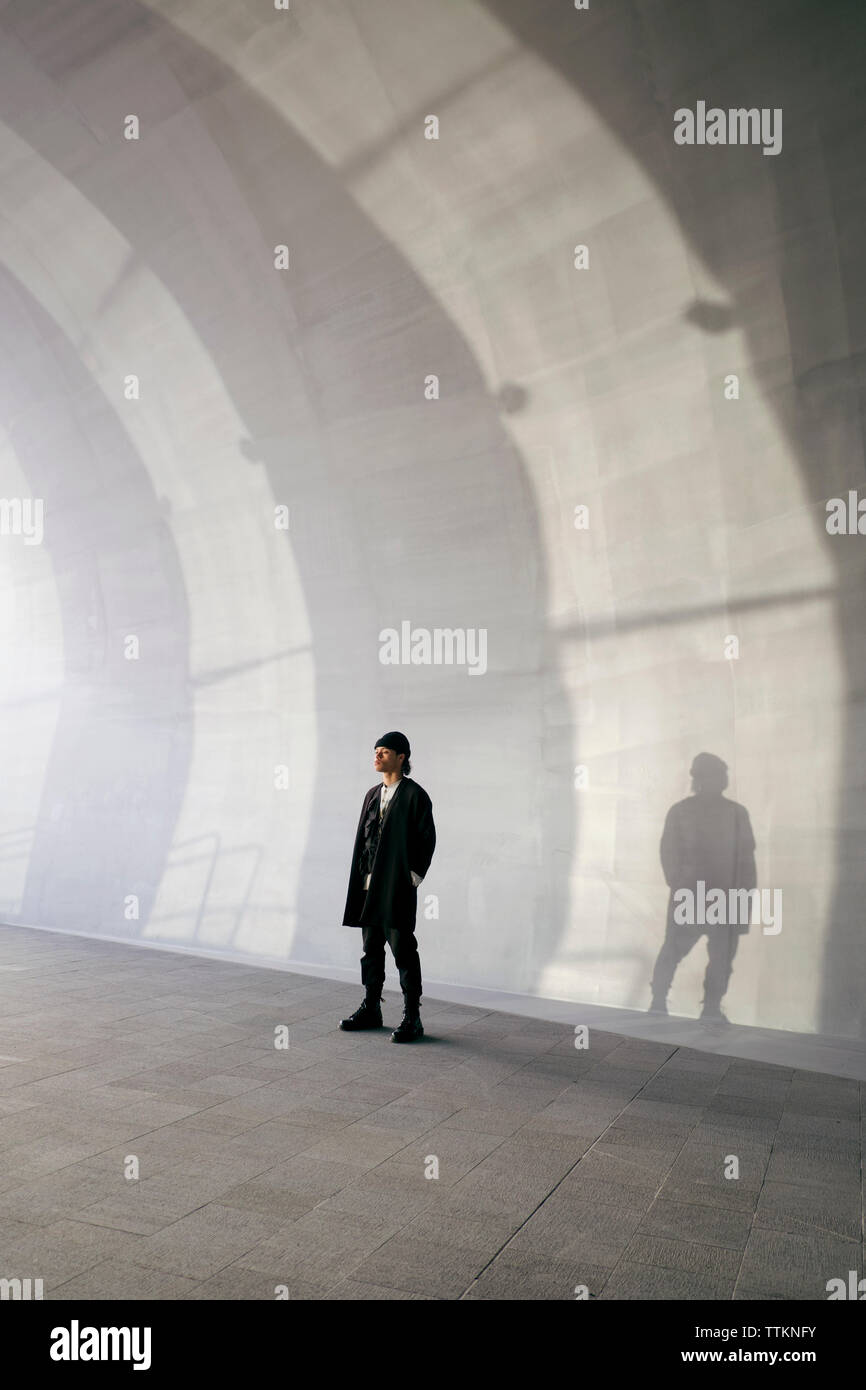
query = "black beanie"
x=398 y=743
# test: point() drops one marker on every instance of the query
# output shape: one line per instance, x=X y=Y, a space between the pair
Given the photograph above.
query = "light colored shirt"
x=385 y=797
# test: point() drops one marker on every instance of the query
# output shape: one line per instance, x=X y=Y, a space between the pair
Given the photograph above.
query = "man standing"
x=393 y=848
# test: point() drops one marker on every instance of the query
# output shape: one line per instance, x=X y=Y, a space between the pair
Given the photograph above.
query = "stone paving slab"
x=493 y=1160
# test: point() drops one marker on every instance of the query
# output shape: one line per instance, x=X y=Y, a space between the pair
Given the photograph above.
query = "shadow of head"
x=709 y=775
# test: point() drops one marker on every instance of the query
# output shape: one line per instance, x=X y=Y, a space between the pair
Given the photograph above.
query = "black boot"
x=410 y=1028
x=368 y=1016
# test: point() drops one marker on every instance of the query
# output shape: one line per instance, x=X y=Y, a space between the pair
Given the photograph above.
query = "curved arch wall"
x=191 y=693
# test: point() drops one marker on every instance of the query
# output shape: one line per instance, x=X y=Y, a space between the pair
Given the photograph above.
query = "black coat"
x=407 y=842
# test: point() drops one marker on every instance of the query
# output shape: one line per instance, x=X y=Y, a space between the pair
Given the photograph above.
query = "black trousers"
x=404 y=948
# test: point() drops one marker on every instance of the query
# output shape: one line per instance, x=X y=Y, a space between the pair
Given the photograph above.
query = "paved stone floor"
x=306 y=1167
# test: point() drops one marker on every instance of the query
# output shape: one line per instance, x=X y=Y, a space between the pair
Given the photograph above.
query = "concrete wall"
x=152 y=780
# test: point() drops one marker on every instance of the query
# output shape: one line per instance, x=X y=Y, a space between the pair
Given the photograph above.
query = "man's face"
x=386 y=760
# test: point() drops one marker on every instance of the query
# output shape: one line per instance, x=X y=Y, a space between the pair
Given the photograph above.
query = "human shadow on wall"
x=636 y=64
x=707 y=845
